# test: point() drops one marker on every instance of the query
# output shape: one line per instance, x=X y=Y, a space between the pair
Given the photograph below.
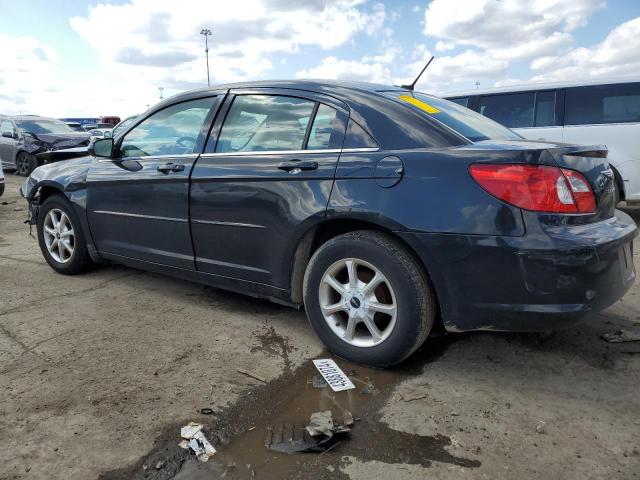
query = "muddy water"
x=239 y=432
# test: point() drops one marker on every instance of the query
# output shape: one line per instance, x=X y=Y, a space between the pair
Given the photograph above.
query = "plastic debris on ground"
x=620 y=336
x=194 y=439
x=316 y=436
x=334 y=376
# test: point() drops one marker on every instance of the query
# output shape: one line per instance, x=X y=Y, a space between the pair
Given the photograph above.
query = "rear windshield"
x=466 y=122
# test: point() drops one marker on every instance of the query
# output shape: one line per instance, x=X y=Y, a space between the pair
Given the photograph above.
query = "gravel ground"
x=100 y=370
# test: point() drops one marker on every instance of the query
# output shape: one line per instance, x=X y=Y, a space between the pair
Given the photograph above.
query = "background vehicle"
x=1 y=182
x=23 y=137
x=584 y=112
x=109 y=120
x=382 y=210
x=76 y=126
x=90 y=126
x=100 y=132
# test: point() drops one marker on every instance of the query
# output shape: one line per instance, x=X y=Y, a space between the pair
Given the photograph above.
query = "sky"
x=86 y=58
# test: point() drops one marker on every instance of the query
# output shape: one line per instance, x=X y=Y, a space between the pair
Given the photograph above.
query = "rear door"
x=266 y=175
x=138 y=202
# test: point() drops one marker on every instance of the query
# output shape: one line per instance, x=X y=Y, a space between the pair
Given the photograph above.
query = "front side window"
x=464 y=121
x=260 y=123
x=619 y=103
x=171 y=131
x=513 y=110
x=6 y=126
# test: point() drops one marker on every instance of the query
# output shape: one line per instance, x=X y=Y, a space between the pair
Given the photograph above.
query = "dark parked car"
x=384 y=212
x=23 y=137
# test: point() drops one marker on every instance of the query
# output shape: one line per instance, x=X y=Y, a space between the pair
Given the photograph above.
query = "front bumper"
x=549 y=278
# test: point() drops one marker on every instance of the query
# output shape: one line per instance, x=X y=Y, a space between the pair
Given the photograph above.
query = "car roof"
x=526 y=87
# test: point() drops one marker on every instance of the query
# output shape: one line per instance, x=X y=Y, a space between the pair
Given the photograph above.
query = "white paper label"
x=335 y=377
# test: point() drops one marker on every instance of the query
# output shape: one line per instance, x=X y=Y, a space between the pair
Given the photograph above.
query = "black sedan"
x=23 y=137
x=383 y=211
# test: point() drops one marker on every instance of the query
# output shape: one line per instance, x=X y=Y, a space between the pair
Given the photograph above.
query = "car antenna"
x=411 y=87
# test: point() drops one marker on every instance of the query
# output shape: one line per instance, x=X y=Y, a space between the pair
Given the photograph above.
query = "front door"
x=265 y=176
x=138 y=202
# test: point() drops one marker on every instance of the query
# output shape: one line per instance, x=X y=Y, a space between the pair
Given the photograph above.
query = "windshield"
x=43 y=126
x=466 y=122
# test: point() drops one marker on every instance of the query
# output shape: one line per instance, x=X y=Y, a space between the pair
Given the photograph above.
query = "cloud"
x=166 y=36
x=617 y=55
x=357 y=70
x=510 y=29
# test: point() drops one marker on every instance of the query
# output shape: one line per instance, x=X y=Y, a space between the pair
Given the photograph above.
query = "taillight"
x=536 y=187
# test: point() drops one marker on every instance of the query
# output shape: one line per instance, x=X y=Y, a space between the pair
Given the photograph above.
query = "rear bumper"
x=550 y=278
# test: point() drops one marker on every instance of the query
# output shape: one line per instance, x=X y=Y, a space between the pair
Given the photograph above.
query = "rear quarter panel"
x=436 y=194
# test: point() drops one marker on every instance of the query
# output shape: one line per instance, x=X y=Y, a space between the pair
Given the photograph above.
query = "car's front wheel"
x=368 y=298
x=25 y=164
x=60 y=236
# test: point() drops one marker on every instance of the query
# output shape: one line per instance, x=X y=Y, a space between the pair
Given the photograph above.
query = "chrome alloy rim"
x=59 y=237
x=358 y=302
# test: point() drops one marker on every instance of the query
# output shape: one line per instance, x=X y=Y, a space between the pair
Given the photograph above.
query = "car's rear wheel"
x=368 y=299
x=60 y=236
x=25 y=164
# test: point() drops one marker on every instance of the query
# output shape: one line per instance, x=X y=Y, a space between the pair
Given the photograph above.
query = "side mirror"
x=103 y=147
x=8 y=134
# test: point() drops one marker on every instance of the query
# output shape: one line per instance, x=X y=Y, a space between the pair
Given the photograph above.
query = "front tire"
x=61 y=238
x=368 y=299
x=25 y=164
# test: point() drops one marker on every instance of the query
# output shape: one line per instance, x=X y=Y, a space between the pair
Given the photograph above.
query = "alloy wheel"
x=59 y=237
x=358 y=302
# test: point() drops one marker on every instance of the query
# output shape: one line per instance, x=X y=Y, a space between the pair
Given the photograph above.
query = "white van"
x=588 y=112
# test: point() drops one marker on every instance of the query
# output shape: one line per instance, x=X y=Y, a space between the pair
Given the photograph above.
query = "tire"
x=25 y=164
x=67 y=262
x=404 y=287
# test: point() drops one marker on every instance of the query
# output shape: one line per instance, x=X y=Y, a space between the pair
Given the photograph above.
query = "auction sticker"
x=335 y=377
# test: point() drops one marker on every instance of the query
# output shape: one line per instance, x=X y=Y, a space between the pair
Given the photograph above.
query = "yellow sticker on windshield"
x=419 y=103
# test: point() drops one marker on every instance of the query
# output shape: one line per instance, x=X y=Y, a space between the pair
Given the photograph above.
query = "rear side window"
x=357 y=137
x=322 y=128
x=545 y=108
x=599 y=104
x=464 y=121
x=266 y=123
x=513 y=110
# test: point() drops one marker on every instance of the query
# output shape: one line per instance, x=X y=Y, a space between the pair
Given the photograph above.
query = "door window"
x=171 y=131
x=259 y=123
x=6 y=126
x=513 y=110
x=619 y=103
x=464 y=101
x=545 y=108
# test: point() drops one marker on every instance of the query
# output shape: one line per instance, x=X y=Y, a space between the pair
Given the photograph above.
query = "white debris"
x=196 y=441
x=334 y=376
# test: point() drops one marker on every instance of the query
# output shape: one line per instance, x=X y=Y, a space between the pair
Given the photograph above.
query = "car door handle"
x=171 y=167
x=296 y=166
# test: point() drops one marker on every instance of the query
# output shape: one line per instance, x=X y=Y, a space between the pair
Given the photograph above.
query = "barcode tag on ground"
x=335 y=377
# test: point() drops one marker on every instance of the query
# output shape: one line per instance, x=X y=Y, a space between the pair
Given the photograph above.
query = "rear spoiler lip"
x=595 y=151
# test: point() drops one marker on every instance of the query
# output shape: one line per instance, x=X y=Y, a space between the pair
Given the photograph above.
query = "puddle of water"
x=239 y=432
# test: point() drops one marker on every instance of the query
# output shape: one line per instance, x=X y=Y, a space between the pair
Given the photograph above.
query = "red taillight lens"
x=536 y=187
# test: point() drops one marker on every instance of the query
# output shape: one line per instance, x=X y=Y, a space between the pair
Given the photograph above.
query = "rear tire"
x=368 y=299
x=60 y=236
x=25 y=164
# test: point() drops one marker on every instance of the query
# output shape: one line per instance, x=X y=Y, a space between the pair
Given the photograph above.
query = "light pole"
x=161 y=89
x=206 y=32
